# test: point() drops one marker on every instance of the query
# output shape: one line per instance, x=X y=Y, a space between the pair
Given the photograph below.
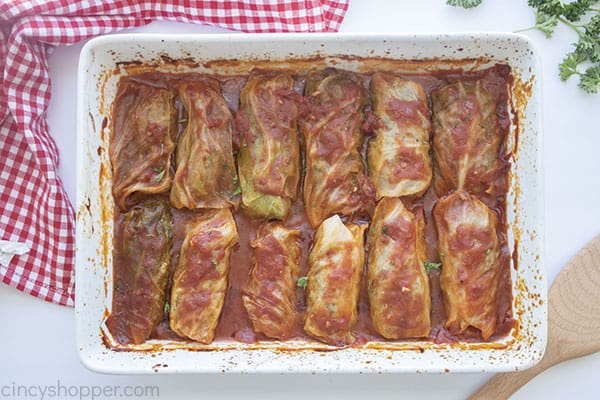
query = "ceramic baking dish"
x=105 y=59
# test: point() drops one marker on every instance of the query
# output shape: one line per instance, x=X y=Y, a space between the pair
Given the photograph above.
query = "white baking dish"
x=99 y=69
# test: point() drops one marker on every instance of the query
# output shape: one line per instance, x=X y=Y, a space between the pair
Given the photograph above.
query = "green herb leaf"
x=167 y=308
x=158 y=177
x=589 y=81
x=589 y=47
x=551 y=7
x=182 y=120
x=545 y=23
x=214 y=263
x=238 y=191
x=431 y=265
x=568 y=67
x=464 y=3
x=592 y=28
x=577 y=9
x=384 y=230
x=302 y=282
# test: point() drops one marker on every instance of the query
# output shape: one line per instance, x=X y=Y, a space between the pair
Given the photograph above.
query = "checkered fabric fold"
x=34 y=207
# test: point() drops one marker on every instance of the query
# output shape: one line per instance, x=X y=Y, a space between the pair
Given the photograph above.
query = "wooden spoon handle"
x=502 y=386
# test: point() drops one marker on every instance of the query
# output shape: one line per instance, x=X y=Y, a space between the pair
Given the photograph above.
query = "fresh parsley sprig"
x=544 y=23
x=464 y=3
x=590 y=79
x=548 y=14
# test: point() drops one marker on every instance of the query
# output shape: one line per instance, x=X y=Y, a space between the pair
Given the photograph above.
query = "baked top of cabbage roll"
x=466 y=139
x=335 y=268
x=398 y=155
x=142 y=141
x=398 y=284
x=470 y=252
x=205 y=175
x=269 y=154
x=200 y=279
x=335 y=181
x=270 y=295
x=141 y=268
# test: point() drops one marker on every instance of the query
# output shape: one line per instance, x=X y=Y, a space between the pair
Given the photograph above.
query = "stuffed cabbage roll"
x=470 y=252
x=200 y=279
x=466 y=138
x=335 y=181
x=141 y=267
x=205 y=175
x=398 y=283
x=269 y=155
x=398 y=156
x=270 y=295
x=142 y=141
x=335 y=267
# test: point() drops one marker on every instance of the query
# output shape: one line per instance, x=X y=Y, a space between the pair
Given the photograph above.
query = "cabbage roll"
x=335 y=181
x=205 y=175
x=466 y=138
x=269 y=155
x=470 y=252
x=270 y=295
x=335 y=267
x=141 y=267
x=142 y=141
x=398 y=283
x=398 y=156
x=200 y=279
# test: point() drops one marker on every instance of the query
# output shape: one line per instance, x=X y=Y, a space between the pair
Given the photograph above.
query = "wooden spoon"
x=573 y=322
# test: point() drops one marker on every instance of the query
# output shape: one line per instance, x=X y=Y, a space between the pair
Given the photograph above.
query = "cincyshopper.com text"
x=60 y=390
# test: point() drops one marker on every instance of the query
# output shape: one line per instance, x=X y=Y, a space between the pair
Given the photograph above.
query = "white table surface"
x=37 y=339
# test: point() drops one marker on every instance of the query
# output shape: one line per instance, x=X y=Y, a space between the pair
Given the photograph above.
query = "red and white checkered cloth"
x=34 y=207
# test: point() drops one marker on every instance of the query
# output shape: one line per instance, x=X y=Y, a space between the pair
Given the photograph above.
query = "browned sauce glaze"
x=234 y=324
